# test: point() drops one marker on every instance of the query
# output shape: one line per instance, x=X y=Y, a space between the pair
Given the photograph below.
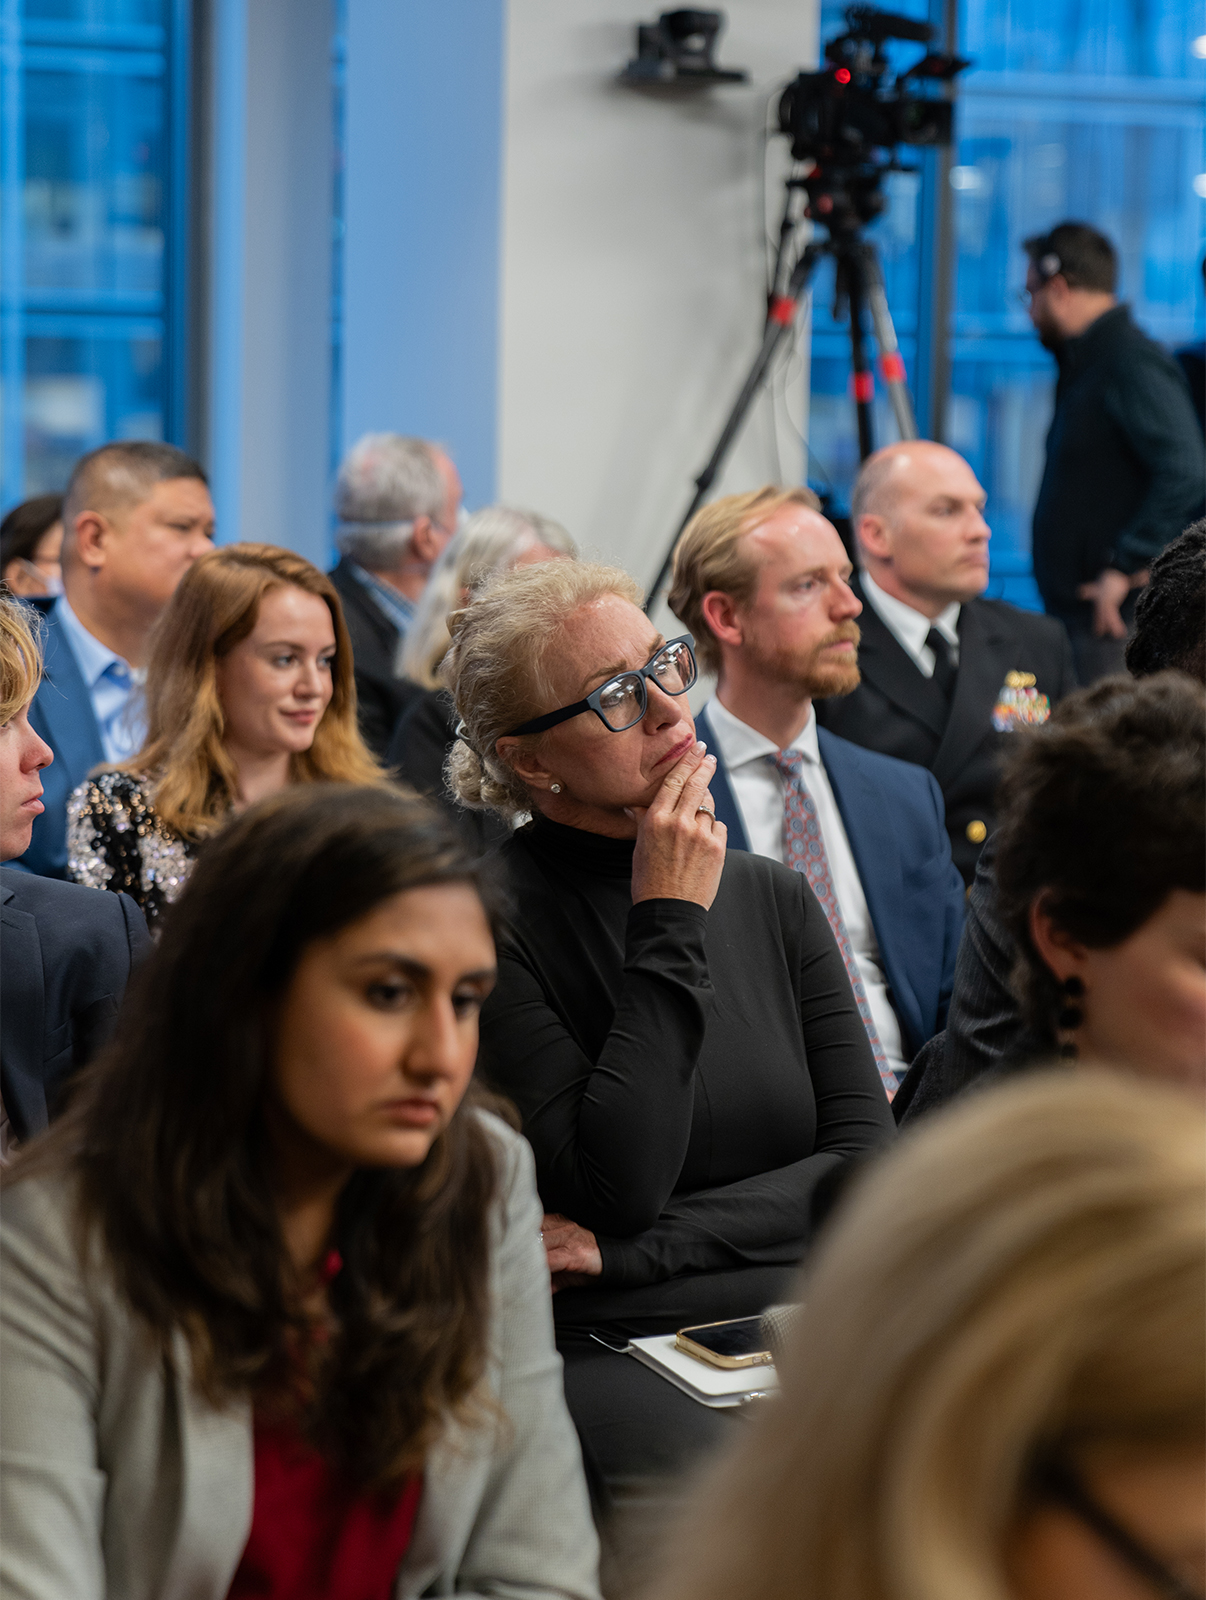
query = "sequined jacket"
x=116 y=841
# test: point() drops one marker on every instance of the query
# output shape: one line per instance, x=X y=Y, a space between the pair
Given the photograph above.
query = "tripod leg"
x=782 y=317
x=792 y=207
x=890 y=362
x=864 y=379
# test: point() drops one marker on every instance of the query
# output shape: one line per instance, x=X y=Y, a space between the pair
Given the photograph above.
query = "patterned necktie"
x=944 y=664
x=804 y=850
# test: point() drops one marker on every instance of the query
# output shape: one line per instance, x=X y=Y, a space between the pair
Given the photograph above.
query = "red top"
x=312 y=1538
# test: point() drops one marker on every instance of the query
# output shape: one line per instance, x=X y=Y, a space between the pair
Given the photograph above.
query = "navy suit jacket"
x=66 y=953
x=894 y=819
x=62 y=714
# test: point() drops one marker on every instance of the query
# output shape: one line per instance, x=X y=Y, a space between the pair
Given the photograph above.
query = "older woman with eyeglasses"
x=674 y=1024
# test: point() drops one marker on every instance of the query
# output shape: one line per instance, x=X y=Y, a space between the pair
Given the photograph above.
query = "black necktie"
x=944 y=668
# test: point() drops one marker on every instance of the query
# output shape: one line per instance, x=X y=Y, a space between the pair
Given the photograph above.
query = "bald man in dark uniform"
x=946 y=676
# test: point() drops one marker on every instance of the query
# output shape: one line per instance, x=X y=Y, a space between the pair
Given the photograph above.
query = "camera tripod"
x=860 y=284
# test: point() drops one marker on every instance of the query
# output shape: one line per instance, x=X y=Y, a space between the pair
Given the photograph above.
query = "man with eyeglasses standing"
x=1125 y=466
x=763 y=582
x=398 y=501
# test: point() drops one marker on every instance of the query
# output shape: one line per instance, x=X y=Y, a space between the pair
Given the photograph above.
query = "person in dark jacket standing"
x=1125 y=463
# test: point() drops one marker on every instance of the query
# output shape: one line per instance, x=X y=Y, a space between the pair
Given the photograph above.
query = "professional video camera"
x=845 y=123
x=848 y=118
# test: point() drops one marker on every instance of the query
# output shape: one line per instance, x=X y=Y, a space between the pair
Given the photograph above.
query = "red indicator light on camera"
x=842 y=75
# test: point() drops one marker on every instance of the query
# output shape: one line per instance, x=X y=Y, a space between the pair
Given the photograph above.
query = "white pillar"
x=634 y=272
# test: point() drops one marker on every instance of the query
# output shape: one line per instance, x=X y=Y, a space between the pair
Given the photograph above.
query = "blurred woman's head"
x=309 y=1017
x=492 y=541
x=250 y=660
x=23 y=753
x=1011 y=1307
x=31 y=544
x=538 y=640
x=1101 y=868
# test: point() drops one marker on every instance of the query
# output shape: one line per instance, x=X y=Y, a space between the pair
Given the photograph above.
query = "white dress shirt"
x=114 y=686
x=758 y=790
x=909 y=628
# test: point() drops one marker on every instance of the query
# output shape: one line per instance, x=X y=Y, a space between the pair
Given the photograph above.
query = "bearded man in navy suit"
x=763 y=582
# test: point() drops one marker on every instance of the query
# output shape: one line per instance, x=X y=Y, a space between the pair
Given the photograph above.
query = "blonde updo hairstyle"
x=495 y=669
x=492 y=540
x=1022 y=1279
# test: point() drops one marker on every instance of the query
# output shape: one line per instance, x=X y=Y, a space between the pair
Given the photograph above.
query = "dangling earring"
x=555 y=788
x=1070 y=1016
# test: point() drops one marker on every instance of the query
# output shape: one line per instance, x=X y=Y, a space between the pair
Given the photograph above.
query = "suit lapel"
x=723 y=797
x=865 y=816
x=65 y=706
x=22 y=1011
x=982 y=669
x=217 y=1488
x=886 y=665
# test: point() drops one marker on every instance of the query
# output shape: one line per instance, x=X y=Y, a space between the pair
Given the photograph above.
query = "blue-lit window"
x=92 y=281
x=1091 y=111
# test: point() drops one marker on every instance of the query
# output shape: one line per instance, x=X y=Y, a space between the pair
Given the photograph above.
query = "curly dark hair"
x=1170 y=616
x=1104 y=811
x=166 y=1135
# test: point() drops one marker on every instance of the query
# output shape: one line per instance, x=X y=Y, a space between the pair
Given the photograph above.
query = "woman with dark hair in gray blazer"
x=275 y=1315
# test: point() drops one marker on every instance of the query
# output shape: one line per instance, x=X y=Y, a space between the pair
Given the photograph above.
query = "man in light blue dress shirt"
x=136 y=515
x=111 y=682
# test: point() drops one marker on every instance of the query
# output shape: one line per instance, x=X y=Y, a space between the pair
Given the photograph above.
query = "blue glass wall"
x=1085 y=109
x=92 y=260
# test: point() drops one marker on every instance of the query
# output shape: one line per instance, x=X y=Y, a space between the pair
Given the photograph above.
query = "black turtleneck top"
x=685 y=1076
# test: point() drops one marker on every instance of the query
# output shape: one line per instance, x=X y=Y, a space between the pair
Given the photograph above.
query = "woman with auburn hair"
x=249 y=689
x=275 y=1318
x=996 y=1388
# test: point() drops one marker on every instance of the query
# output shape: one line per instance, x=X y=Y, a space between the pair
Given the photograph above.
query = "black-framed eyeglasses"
x=1057 y=1482
x=622 y=701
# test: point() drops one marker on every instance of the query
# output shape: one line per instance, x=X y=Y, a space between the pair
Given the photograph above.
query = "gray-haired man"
x=397 y=500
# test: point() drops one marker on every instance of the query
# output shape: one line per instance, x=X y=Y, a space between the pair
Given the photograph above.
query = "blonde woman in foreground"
x=997 y=1389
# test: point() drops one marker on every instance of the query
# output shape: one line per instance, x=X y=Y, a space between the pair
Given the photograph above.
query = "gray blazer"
x=118 y=1482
